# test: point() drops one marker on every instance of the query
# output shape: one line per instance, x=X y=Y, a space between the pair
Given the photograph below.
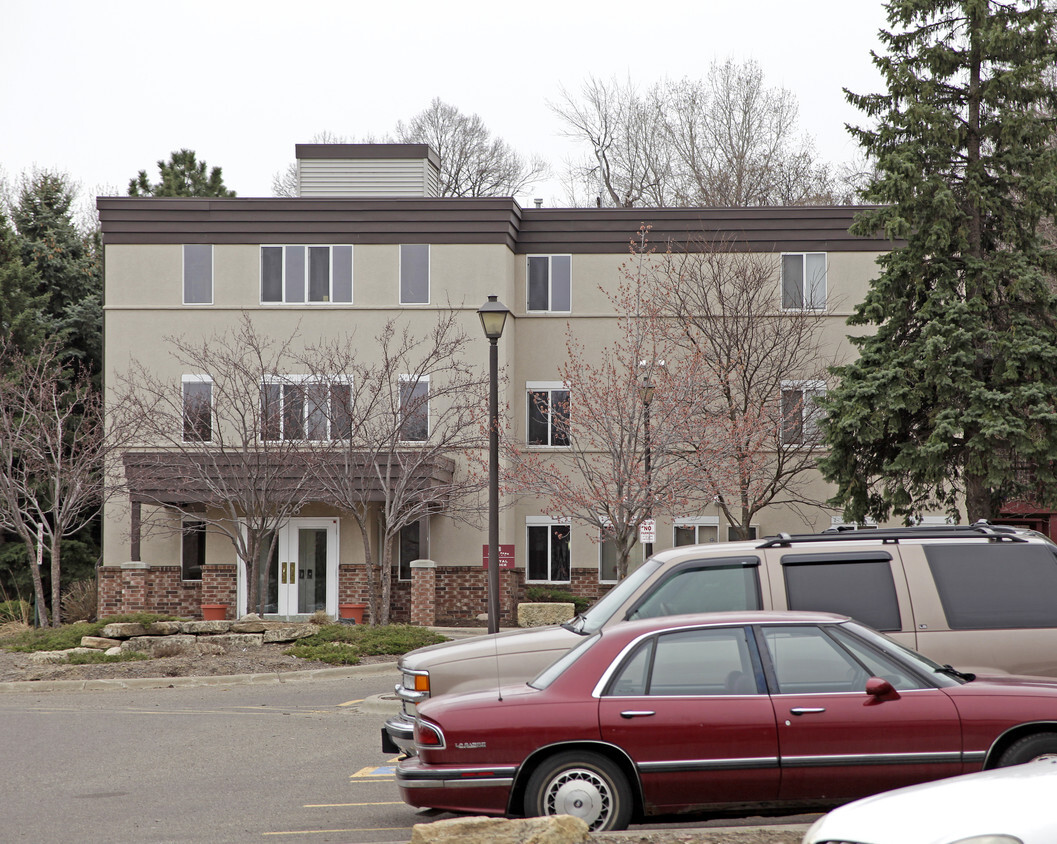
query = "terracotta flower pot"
x=352 y=611
x=214 y=612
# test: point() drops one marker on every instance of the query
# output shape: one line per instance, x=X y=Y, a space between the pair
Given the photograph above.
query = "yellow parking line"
x=346 y=805
x=332 y=831
x=352 y=702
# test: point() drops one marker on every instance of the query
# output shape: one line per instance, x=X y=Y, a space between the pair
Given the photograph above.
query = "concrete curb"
x=343 y=673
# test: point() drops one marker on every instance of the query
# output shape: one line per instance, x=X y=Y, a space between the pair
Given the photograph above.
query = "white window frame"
x=695 y=522
x=195 y=379
x=548 y=387
x=415 y=379
x=547 y=521
x=808 y=303
x=809 y=413
x=306 y=300
x=283 y=381
x=429 y=273
x=184 y=268
x=550 y=309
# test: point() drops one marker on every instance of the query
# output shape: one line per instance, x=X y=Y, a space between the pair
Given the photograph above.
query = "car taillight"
x=428 y=735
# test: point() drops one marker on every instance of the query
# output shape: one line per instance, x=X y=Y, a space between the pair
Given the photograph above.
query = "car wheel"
x=586 y=785
x=1028 y=749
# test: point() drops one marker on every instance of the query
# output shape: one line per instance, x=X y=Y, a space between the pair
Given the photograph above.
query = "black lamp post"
x=493 y=314
x=647 y=390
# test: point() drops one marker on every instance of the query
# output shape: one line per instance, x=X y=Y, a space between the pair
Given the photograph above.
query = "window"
x=548 y=415
x=859 y=585
x=548 y=551
x=806 y=661
x=608 y=558
x=550 y=283
x=198 y=408
x=720 y=586
x=714 y=661
x=800 y=413
x=989 y=587
x=198 y=274
x=194 y=549
x=414 y=274
x=313 y=274
x=414 y=408
x=297 y=408
x=804 y=281
x=410 y=549
x=696 y=531
x=739 y=533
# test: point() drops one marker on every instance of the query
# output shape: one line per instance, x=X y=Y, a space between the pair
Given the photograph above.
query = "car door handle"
x=807 y=710
x=637 y=713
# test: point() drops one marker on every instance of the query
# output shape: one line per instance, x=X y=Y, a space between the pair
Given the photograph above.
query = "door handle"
x=284 y=574
x=637 y=713
x=807 y=710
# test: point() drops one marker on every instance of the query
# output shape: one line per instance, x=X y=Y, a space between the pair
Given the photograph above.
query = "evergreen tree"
x=66 y=263
x=956 y=392
x=182 y=175
x=23 y=309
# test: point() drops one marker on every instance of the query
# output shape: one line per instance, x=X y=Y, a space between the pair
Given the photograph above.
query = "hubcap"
x=580 y=793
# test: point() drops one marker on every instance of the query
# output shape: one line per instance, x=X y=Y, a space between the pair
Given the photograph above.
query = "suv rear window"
x=856 y=585
x=994 y=586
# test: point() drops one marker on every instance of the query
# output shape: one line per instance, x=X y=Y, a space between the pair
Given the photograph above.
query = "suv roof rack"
x=995 y=533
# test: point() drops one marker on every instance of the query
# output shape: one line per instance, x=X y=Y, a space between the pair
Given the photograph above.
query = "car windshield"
x=942 y=675
x=602 y=610
x=553 y=671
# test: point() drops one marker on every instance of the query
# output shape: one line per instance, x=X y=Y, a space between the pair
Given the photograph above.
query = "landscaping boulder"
x=555 y=829
x=164 y=628
x=544 y=614
x=289 y=632
x=99 y=643
x=234 y=641
x=123 y=630
x=205 y=626
x=157 y=645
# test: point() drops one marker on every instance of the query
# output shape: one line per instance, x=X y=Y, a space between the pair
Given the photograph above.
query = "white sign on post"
x=648 y=531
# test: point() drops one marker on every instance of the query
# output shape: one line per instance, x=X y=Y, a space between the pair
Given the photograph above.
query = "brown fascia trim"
x=478 y=221
x=367 y=151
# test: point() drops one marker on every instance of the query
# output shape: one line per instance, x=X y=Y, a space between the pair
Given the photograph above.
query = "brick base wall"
x=460 y=593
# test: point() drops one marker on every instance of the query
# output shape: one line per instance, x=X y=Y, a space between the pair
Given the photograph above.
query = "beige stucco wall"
x=144 y=307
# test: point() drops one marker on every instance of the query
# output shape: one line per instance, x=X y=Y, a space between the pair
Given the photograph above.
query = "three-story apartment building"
x=367 y=241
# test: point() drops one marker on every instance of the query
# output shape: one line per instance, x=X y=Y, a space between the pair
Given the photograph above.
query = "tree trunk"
x=56 y=585
x=38 y=584
x=980 y=501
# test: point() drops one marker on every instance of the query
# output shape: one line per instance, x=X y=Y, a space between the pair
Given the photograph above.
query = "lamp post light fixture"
x=646 y=389
x=493 y=314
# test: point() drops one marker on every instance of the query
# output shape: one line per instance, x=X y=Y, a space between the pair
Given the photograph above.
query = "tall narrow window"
x=550 y=283
x=414 y=408
x=800 y=412
x=410 y=549
x=548 y=551
x=198 y=274
x=197 y=408
x=193 y=549
x=548 y=414
x=414 y=274
x=804 y=281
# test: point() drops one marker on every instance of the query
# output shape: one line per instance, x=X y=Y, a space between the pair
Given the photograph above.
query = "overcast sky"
x=104 y=89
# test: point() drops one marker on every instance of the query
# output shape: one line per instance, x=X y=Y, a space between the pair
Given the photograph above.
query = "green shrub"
x=548 y=595
x=69 y=635
x=344 y=644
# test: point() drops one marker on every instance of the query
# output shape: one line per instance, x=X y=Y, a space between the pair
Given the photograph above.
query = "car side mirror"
x=880 y=690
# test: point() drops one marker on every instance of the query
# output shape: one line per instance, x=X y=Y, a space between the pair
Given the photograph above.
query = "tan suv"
x=980 y=597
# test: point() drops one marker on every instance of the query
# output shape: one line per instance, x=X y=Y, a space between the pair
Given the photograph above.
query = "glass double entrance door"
x=301 y=576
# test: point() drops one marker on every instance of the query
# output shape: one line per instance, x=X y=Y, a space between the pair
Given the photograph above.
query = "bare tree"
x=52 y=449
x=630 y=160
x=769 y=364
x=217 y=442
x=418 y=407
x=727 y=140
x=629 y=414
x=472 y=161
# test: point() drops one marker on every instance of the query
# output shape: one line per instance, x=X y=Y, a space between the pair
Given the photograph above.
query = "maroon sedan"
x=748 y=713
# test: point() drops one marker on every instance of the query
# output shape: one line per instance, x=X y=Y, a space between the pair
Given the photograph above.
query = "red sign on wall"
x=506 y=556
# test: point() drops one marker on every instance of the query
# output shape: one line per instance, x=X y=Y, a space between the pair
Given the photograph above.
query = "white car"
x=1013 y=805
